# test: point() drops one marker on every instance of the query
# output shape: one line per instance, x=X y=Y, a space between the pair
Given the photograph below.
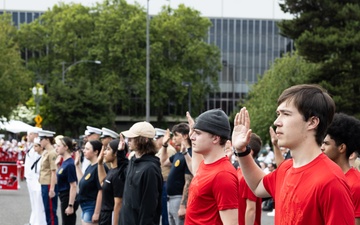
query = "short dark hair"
x=182 y=128
x=255 y=144
x=345 y=129
x=97 y=146
x=311 y=100
x=145 y=145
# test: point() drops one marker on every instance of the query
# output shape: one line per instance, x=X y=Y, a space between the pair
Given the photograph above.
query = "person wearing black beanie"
x=213 y=193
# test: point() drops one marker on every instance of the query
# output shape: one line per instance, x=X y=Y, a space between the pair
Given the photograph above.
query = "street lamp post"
x=75 y=63
x=147 y=65
x=37 y=93
x=188 y=84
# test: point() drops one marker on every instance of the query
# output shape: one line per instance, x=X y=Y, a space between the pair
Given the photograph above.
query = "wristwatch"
x=242 y=154
x=70 y=205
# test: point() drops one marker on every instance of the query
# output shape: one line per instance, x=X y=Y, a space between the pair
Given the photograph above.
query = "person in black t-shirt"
x=90 y=193
x=113 y=182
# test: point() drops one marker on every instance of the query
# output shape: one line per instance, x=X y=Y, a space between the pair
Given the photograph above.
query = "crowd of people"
x=201 y=172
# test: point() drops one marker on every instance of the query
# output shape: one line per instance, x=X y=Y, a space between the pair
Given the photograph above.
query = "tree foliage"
x=327 y=32
x=179 y=54
x=285 y=72
x=15 y=79
x=114 y=32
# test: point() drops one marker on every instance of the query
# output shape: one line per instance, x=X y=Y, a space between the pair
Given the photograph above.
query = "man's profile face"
x=93 y=137
x=330 y=148
x=178 y=138
x=291 y=129
x=159 y=142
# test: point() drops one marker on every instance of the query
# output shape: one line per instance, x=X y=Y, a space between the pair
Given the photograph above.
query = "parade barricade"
x=9 y=174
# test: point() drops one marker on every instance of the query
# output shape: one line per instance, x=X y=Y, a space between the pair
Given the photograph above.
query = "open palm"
x=241 y=133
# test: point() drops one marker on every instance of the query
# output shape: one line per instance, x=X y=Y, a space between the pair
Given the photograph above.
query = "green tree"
x=114 y=33
x=327 y=32
x=15 y=79
x=58 y=39
x=262 y=100
x=179 y=53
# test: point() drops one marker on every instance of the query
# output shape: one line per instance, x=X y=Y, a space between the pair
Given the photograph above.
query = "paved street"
x=15 y=208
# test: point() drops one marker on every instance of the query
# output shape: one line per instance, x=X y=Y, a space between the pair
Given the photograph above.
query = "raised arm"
x=79 y=173
x=240 y=138
x=279 y=158
x=196 y=158
x=101 y=168
x=164 y=156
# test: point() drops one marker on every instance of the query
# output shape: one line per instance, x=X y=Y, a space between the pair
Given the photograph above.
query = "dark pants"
x=105 y=218
x=50 y=205
x=164 y=210
x=64 y=202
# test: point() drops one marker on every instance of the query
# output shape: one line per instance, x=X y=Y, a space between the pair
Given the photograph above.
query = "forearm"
x=188 y=161
x=79 y=173
x=98 y=202
x=250 y=212
x=117 y=207
x=195 y=162
x=188 y=178
x=101 y=173
x=279 y=158
x=164 y=155
x=72 y=193
x=53 y=180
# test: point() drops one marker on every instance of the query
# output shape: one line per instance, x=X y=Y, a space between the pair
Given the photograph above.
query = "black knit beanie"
x=214 y=121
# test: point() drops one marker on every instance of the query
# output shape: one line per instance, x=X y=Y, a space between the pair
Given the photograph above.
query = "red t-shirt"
x=316 y=193
x=353 y=179
x=213 y=188
x=244 y=194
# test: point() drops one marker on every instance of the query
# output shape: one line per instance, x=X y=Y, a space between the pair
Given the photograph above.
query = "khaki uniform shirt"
x=165 y=170
x=48 y=164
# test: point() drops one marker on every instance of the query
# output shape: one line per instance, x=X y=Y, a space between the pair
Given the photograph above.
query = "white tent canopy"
x=15 y=126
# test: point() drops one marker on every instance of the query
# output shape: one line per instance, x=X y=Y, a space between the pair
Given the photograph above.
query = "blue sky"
x=265 y=9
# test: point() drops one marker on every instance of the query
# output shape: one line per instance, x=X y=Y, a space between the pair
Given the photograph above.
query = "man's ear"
x=342 y=148
x=186 y=136
x=313 y=122
x=216 y=138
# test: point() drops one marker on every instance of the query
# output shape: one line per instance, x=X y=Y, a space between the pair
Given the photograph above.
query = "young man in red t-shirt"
x=309 y=188
x=343 y=139
x=213 y=192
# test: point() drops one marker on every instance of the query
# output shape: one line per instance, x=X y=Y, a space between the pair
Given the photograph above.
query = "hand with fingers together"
x=166 y=138
x=100 y=159
x=191 y=123
x=241 y=133
x=274 y=139
x=121 y=145
x=228 y=149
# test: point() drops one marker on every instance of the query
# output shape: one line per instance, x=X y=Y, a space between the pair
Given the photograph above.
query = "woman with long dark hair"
x=113 y=182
